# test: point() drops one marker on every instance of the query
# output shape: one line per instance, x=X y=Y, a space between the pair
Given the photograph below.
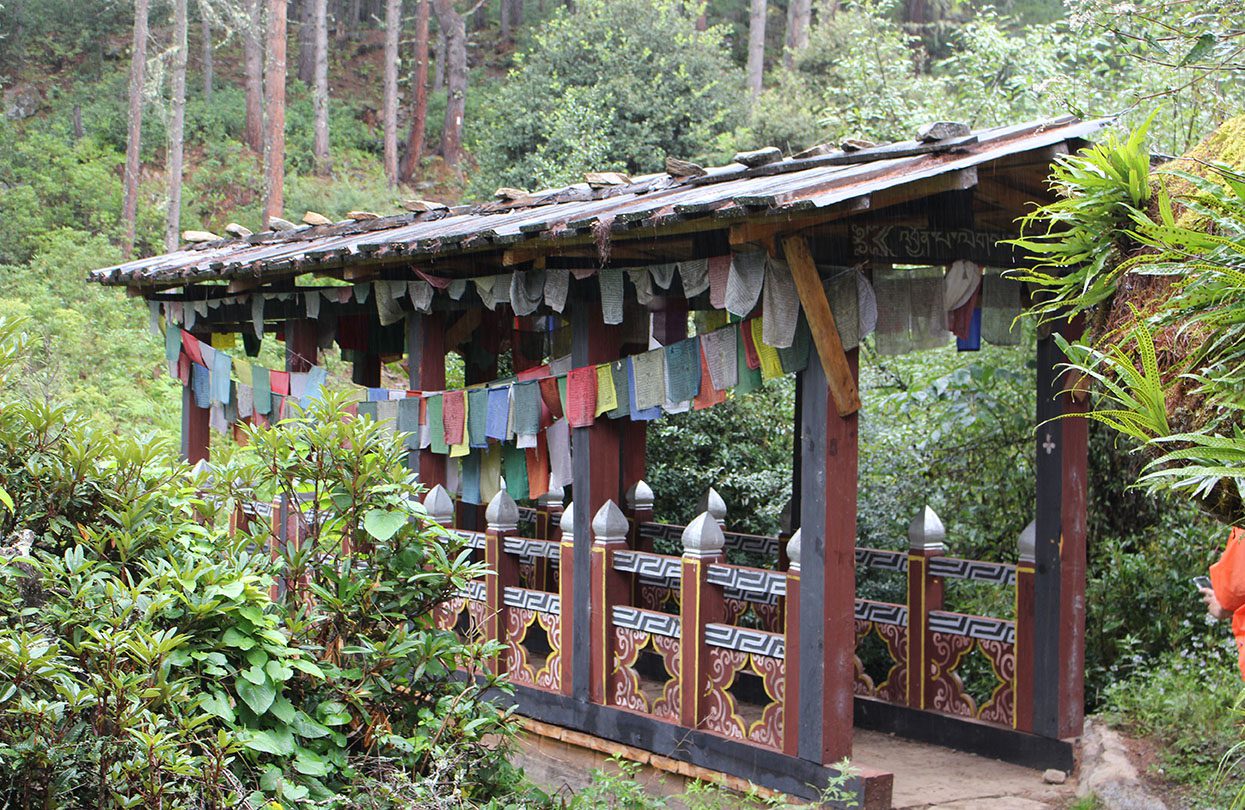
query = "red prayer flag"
x=279 y=382
x=538 y=467
x=549 y=394
x=708 y=395
x=183 y=368
x=750 y=348
x=581 y=396
x=190 y=345
x=454 y=416
x=534 y=373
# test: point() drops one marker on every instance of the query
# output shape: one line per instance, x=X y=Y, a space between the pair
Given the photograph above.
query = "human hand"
x=1212 y=604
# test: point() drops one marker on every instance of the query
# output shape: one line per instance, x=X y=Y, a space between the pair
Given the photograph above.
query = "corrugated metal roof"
x=652 y=203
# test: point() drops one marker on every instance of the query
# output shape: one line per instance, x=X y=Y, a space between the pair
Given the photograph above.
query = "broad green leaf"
x=258 y=696
x=217 y=705
x=383 y=524
x=236 y=638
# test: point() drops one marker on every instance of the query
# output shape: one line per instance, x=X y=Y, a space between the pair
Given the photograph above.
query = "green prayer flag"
x=749 y=378
x=514 y=468
x=436 y=425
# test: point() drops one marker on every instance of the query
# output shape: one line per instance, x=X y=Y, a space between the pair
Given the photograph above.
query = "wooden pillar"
x=196 y=437
x=609 y=588
x=1022 y=683
x=828 y=568
x=548 y=515
x=700 y=604
x=791 y=641
x=365 y=371
x=566 y=591
x=425 y=351
x=301 y=344
x=595 y=471
x=1059 y=550
x=925 y=541
x=503 y=521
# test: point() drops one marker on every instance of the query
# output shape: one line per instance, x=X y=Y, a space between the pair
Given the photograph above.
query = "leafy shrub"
x=147 y=660
x=645 y=83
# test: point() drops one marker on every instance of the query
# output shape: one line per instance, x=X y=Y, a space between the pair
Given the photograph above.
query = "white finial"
x=609 y=524
x=793 y=551
x=713 y=504
x=925 y=532
x=640 y=496
x=502 y=513
x=784 y=517
x=553 y=497
x=567 y=523
x=439 y=505
x=1028 y=542
x=703 y=537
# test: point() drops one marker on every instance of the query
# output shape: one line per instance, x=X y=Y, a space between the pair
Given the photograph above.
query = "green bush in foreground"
x=143 y=662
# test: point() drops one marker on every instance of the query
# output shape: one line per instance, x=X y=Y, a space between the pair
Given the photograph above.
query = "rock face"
x=1108 y=774
x=21 y=101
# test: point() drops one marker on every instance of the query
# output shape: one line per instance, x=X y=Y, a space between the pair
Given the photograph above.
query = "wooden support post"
x=503 y=521
x=566 y=592
x=828 y=570
x=425 y=353
x=196 y=437
x=700 y=604
x=1059 y=551
x=1022 y=684
x=596 y=474
x=639 y=512
x=365 y=371
x=791 y=640
x=609 y=588
x=925 y=541
x=839 y=372
x=301 y=344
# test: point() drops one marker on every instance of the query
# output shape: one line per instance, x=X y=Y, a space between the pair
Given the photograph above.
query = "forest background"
x=388 y=100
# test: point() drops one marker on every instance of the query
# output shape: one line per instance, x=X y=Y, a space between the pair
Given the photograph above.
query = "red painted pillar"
x=301 y=344
x=828 y=458
x=700 y=604
x=1073 y=530
x=925 y=541
x=425 y=350
x=503 y=521
x=609 y=588
x=566 y=594
x=196 y=437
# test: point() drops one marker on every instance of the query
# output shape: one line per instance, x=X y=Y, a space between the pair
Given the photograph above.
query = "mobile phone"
x=1201 y=582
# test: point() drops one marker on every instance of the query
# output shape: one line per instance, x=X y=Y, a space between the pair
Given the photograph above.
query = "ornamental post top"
x=1027 y=542
x=639 y=496
x=553 y=497
x=439 y=505
x=793 y=551
x=703 y=537
x=567 y=521
x=712 y=503
x=926 y=532
x=502 y=513
x=610 y=524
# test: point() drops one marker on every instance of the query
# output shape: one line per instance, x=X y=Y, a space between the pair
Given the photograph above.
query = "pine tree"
x=274 y=103
x=393 y=30
x=177 y=121
x=133 y=147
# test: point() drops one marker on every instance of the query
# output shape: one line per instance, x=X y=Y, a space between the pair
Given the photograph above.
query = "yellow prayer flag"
x=224 y=341
x=460 y=450
x=607 y=397
x=771 y=364
x=243 y=369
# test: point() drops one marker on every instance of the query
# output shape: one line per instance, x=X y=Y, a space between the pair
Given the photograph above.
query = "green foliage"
x=1074 y=242
x=616 y=84
x=147 y=664
x=1185 y=701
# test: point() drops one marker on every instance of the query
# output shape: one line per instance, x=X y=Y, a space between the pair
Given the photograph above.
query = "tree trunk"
x=756 y=47
x=799 y=18
x=419 y=87
x=205 y=28
x=274 y=102
x=307 y=42
x=320 y=146
x=177 y=121
x=506 y=8
x=438 y=75
x=133 y=147
x=254 y=58
x=393 y=29
x=456 y=79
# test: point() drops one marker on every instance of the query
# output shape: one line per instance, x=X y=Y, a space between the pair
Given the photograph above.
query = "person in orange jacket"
x=1226 y=595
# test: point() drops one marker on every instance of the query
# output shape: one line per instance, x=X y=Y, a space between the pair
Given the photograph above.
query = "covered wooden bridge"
x=571 y=311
